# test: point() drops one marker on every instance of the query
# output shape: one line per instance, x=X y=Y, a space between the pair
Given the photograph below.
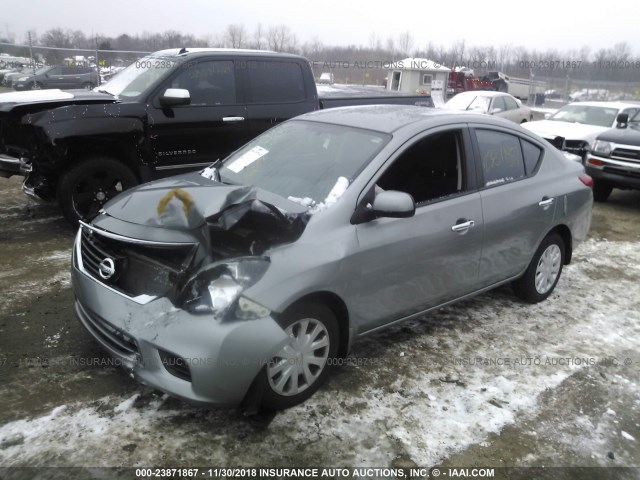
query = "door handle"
x=462 y=227
x=546 y=202
x=232 y=119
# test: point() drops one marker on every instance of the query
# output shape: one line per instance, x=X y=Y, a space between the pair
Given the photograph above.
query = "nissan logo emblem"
x=107 y=268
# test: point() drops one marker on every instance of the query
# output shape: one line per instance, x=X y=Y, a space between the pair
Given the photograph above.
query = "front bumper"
x=222 y=359
x=10 y=166
x=22 y=85
x=621 y=174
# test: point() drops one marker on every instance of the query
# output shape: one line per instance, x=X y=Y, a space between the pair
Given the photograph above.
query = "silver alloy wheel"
x=299 y=364
x=548 y=268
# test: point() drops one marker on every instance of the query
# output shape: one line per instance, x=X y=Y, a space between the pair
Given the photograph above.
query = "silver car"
x=243 y=282
x=493 y=103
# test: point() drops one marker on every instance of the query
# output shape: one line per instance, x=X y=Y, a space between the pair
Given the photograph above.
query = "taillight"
x=587 y=180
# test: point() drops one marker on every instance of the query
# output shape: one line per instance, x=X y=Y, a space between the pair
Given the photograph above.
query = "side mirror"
x=495 y=110
x=174 y=97
x=393 y=204
x=622 y=120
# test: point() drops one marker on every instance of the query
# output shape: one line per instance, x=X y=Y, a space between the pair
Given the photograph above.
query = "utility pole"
x=33 y=61
x=95 y=37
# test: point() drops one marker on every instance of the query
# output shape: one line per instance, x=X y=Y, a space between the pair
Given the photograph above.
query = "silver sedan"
x=493 y=103
x=245 y=282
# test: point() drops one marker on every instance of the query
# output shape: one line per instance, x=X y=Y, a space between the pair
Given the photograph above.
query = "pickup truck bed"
x=350 y=95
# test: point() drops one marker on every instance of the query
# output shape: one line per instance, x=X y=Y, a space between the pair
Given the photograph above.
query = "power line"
x=35 y=47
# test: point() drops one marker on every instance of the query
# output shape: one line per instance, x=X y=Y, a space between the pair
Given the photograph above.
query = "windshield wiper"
x=102 y=90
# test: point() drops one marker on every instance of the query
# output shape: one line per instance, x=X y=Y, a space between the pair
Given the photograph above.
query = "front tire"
x=301 y=366
x=84 y=189
x=543 y=273
x=601 y=190
x=88 y=86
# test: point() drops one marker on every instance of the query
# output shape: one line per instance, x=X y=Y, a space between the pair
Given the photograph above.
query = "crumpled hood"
x=34 y=100
x=569 y=131
x=189 y=201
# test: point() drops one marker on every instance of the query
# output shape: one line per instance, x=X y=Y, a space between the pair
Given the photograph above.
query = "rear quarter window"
x=532 y=156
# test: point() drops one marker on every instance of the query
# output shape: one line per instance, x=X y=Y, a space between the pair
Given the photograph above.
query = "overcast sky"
x=539 y=24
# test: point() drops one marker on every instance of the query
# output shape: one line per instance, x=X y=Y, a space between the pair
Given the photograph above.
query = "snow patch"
x=35 y=96
x=336 y=192
x=627 y=435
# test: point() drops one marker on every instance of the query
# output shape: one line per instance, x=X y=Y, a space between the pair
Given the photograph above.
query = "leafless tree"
x=405 y=43
x=281 y=39
x=258 y=37
x=235 y=36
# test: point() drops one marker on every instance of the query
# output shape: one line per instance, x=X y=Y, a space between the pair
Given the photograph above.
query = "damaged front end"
x=37 y=129
x=199 y=244
x=17 y=146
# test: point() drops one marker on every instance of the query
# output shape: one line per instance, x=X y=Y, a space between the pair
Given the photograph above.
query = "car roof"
x=484 y=93
x=390 y=118
x=198 y=52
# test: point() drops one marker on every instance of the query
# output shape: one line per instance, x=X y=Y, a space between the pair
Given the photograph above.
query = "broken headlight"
x=217 y=289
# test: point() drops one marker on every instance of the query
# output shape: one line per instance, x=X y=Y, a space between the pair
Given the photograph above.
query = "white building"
x=419 y=76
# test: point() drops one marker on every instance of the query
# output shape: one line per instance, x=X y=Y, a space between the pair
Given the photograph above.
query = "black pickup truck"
x=614 y=161
x=170 y=112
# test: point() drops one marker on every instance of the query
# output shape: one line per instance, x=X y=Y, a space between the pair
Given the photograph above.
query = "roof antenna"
x=182 y=50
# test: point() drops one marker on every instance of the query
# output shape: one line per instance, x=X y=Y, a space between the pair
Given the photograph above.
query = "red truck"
x=463 y=80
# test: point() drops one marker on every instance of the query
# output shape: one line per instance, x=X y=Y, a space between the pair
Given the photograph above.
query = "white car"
x=499 y=104
x=326 y=78
x=579 y=124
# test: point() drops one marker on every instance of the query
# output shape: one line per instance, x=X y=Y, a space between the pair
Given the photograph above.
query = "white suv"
x=580 y=123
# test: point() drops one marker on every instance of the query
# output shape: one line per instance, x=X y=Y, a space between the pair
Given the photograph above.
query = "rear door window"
x=510 y=103
x=501 y=157
x=208 y=82
x=273 y=81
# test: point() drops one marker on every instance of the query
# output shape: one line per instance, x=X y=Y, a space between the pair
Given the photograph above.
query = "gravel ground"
x=489 y=382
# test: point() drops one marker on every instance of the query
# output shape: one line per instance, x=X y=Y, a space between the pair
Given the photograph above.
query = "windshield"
x=310 y=163
x=138 y=76
x=588 y=115
x=43 y=70
x=476 y=103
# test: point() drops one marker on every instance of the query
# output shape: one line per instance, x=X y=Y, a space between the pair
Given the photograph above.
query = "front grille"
x=109 y=335
x=175 y=365
x=131 y=268
x=94 y=251
x=626 y=154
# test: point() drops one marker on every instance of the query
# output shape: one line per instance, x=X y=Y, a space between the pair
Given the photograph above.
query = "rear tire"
x=88 y=86
x=543 y=273
x=84 y=189
x=601 y=190
x=301 y=367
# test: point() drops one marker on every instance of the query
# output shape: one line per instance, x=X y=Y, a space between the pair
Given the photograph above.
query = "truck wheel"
x=601 y=190
x=300 y=367
x=84 y=189
x=543 y=272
